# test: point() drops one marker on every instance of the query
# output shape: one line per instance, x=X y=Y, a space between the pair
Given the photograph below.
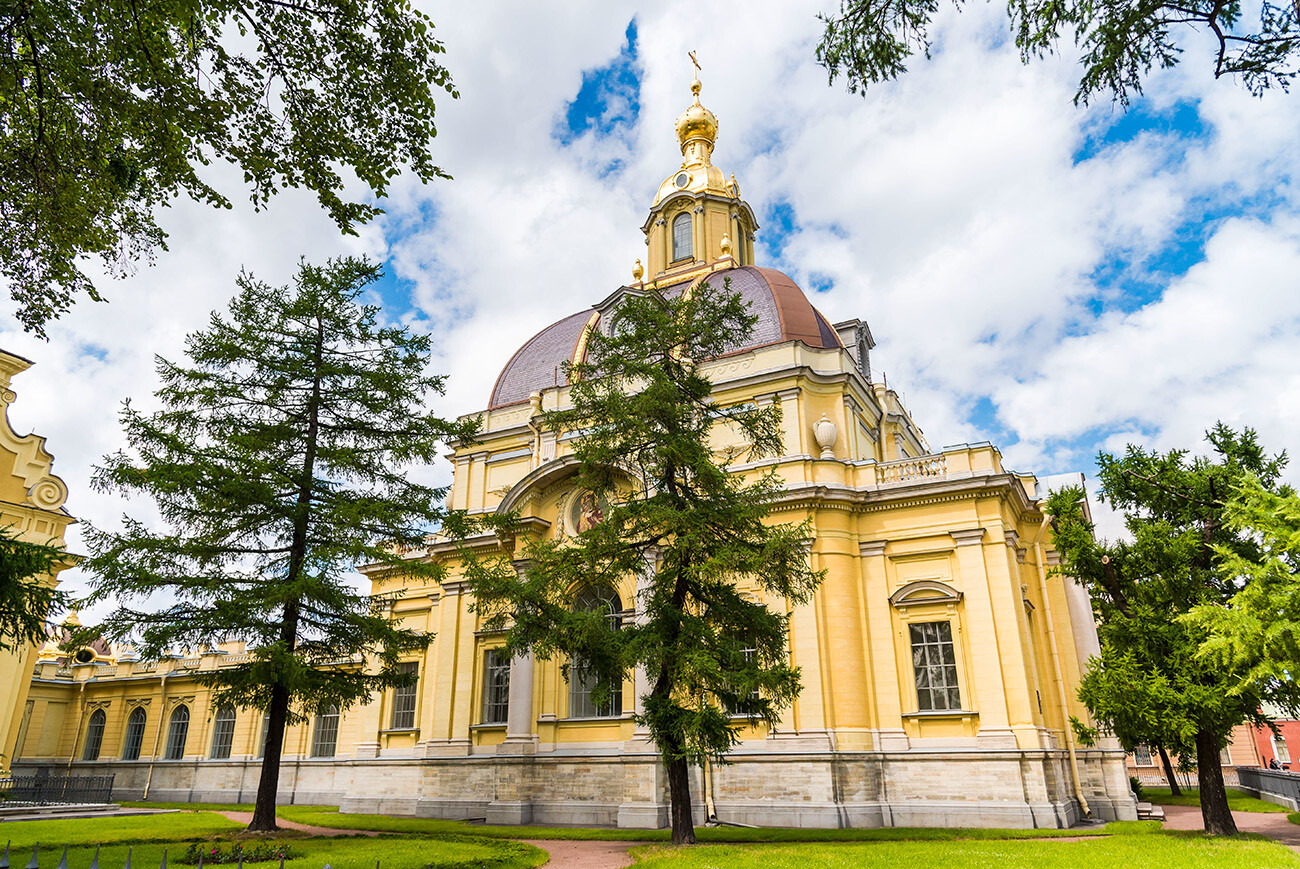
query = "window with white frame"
x=1142 y=755
x=326 y=735
x=223 y=732
x=934 y=663
x=1280 y=750
x=584 y=700
x=134 y=738
x=682 y=242
x=177 y=731
x=266 y=729
x=496 y=687
x=404 y=698
x=94 y=735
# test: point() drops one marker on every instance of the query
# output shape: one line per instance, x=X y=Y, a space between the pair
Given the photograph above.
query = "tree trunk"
x=269 y=780
x=1174 y=789
x=1214 y=799
x=679 y=798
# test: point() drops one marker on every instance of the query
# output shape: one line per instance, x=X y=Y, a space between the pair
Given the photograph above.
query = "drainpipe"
x=710 y=811
x=81 y=713
x=153 y=757
x=1056 y=663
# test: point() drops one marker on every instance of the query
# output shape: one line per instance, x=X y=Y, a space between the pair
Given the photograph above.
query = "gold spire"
x=697 y=128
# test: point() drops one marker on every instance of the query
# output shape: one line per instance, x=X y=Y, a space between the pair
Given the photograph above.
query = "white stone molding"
x=968 y=537
x=872 y=548
x=923 y=592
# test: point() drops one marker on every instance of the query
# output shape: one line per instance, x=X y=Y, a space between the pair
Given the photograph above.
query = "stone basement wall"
x=1011 y=789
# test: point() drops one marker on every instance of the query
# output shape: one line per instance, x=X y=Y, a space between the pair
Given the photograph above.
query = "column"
x=520 y=738
x=887 y=728
x=987 y=688
x=448 y=735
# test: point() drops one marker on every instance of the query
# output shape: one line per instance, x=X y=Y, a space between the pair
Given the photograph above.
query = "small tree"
x=276 y=462
x=1151 y=679
x=27 y=600
x=691 y=531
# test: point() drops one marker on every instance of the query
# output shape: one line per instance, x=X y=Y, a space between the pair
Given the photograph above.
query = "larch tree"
x=1152 y=678
x=696 y=537
x=111 y=109
x=27 y=600
x=277 y=462
x=871 y=41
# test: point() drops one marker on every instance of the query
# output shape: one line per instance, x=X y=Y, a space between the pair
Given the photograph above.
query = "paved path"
x=572 y=854
x=1271 y=824
x=246 y=817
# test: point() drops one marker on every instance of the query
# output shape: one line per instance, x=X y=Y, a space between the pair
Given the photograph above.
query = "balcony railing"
x=1284 y=787
x=911 y=470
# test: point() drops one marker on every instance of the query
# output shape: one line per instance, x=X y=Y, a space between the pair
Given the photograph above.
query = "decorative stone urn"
x=824 y=432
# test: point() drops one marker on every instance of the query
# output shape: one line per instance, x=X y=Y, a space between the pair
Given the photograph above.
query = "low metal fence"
x=53 y=789
x=1272 y=783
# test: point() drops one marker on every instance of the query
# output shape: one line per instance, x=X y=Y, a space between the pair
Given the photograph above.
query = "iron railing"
x=1272 y=782
x=55 y=789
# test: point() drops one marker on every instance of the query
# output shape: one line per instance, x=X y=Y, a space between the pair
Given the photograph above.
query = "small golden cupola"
x=697 y=220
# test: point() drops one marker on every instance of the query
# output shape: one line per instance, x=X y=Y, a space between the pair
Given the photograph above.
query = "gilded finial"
x=637 y=271
x=695 y=84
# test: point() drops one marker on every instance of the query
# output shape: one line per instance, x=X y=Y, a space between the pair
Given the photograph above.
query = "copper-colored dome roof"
x=784 y=314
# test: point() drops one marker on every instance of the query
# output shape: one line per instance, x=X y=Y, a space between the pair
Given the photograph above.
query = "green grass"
x=148 y=835
x=193 y=807
x=1238 y=801
x=433 y=826
x=1149 y=851
x=1293 y=817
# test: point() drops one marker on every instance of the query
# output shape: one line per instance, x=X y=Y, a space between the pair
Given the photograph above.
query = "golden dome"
x=696 y=122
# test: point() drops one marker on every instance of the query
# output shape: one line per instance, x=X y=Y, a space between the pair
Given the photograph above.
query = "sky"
x=1056 y=279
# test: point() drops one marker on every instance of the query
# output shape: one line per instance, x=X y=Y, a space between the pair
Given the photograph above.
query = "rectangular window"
x=935 y=665
x=735 y=709
x=496 y=687
x=1280 y=750
x=582 y=702
x=266 y=729
x=1142 y=755
x=325 y=741
x=404 y=699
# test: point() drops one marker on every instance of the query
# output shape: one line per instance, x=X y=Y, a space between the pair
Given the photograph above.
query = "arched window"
x=582 y=703
x=682 y=246
x=223 y=732
x=134 y=734
x=176 y=733
x=94 y=735
x=327 y=732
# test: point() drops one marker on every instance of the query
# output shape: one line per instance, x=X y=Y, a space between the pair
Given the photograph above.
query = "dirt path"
x=1271 y=824
x=572 y=854
x=245 y=817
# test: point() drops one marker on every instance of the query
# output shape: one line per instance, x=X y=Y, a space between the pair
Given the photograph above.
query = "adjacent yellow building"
x=31 y=509
x=939 y=657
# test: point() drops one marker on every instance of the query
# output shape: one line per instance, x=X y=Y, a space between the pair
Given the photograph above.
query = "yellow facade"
x=939 y=658
x=31 y=508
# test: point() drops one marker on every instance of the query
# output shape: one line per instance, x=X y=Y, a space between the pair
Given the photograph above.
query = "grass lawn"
x=329 y=817
x=149 y=835
x=1149 y=851
x=1238 y=801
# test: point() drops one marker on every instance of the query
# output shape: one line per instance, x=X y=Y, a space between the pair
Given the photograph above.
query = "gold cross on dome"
x=694 y=62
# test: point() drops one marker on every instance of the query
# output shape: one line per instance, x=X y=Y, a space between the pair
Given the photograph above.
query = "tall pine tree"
x=1152 y=680
x=277 y=463
x=692 y=532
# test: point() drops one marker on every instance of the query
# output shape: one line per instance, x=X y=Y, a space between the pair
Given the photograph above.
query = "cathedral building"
x=940 y=656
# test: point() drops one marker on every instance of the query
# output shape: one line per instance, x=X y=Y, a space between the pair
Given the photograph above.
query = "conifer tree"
x=27 y=599
x=1152 y=677
x=693 y=534
x=276 y=462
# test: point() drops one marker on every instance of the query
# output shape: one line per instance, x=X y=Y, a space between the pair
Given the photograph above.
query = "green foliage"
x=1151 y=684
x=1136 y=786
x=1256 y=636
x=258 y=852
x=694 y=534
x=277 y=463
x=27 y=600
x=110 y=109
x=871 y=41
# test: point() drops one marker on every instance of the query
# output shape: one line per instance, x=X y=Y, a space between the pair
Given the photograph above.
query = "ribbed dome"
x=784 y=314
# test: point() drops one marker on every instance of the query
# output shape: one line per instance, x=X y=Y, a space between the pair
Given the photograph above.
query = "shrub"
x=261 y=852
x=1137 y=788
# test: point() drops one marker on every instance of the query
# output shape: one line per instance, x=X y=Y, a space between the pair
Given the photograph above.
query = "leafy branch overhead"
x=872 y=41
x=111 y=109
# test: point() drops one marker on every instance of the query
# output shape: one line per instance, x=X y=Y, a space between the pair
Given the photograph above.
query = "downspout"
x=81 y=713
x=1056 y=663
x=153 y=756
x=710 y=811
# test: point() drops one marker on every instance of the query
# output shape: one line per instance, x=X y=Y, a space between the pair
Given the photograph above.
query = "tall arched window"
x=682 y=246
x=326 y=739
x=266 y=729
x=94 y=735
x=177 y=731
x=223 y=732
x=134 y=734
x=582 y=703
